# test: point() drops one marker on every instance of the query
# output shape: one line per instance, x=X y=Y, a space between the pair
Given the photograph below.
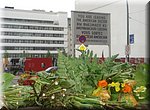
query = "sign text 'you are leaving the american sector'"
x=95 y=26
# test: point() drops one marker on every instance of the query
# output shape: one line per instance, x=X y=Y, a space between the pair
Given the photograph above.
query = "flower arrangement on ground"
x=81 y=83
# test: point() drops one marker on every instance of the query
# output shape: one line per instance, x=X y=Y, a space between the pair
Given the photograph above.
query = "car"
x=51 y=69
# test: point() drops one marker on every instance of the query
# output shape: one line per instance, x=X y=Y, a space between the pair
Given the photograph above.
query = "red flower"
x=102 y=83
x=127 y=88
x=28 y=82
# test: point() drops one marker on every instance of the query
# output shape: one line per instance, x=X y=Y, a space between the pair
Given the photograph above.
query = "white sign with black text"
x=95 y=26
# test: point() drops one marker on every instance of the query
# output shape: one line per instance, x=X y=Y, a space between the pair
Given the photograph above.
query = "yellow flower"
x=116 y=85
x=122 y=84
x=112 y=84
x=117 y=89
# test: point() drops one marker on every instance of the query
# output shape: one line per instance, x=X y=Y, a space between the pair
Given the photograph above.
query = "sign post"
x=127 y=50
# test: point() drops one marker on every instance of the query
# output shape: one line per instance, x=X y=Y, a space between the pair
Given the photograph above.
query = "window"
x=30 y=48
x=27 y=21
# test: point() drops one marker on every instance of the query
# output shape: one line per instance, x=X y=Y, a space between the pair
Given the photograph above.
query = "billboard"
x=95 y=26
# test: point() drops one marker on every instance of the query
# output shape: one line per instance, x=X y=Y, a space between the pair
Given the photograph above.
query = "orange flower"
x=127 y=88
x=102 y=83
x=97 y=94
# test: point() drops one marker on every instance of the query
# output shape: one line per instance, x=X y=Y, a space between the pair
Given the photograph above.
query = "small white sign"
x=127 y=50
x=82 y=47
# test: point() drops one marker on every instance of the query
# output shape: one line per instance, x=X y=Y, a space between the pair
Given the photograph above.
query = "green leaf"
x=7 y=80
x=141 y=76
x=111 y=59
x=88 y=52
x=42 y=82
x=91 y=54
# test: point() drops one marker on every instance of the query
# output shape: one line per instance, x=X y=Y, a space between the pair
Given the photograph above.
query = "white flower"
x=144 y=89
x=56 y=83
x=101 y=102
x=63 y=95
x=53 y=97
x=134 y=90
x=64 y=89
x=141 y=97
x=17 y=103
x=140 y=89
x=43 y=94
x=14 y=85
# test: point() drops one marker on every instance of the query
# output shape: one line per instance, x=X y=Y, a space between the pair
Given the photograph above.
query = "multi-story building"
x=32 y=32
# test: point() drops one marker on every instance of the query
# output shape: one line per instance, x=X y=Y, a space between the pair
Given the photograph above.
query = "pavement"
x=15 y=80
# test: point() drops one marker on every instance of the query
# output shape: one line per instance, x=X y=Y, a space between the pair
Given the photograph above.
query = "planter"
x=40 y=108
x=30 y=108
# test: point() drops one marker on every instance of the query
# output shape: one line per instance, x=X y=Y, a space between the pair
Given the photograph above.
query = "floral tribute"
x=80 y=83
x=27 y=79
x=125 y=91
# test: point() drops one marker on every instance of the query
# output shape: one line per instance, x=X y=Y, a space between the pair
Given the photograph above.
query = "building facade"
x=32 y=33
x=118 y=20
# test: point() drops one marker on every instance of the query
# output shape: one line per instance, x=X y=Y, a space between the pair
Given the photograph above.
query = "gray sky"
x=47 y=5
x=53 y=5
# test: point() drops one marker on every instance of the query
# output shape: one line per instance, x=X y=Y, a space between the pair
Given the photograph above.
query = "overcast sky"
x=47 y=5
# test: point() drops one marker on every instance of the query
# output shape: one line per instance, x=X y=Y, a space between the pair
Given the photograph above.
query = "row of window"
x=27 y=21
x=32 y=27
x=31 y=34
x=16 y=55
x=31 y=48
x=32 y=41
